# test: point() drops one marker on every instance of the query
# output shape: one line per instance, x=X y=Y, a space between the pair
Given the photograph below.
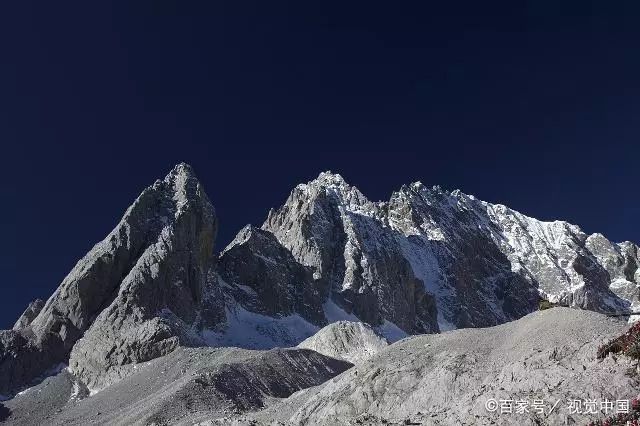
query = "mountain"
x=136 y=295
x=426 y=261
x=430 y=260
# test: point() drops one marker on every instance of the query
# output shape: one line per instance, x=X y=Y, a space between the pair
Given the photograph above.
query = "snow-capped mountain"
x=425 y=261
x=430 y=260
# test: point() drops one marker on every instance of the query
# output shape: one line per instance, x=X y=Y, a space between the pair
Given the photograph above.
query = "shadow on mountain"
x=4 y=413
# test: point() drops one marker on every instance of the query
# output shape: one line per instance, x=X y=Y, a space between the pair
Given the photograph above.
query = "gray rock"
x=447 y=378
x=22 y=361
x=425 y=261
x=51 y=396
x=351 y=341
x=158 y=304
x=136 y=295
x=429 y=379
x=184 y=387
x=430 y=260
x=331 y=227
x=29 y=314
x=277 y=284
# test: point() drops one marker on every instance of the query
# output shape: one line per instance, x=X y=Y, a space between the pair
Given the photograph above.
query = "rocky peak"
x=247 y=233
x=335 y=189
x=186 y=188
x=355 y=258
x=462 y=250
x=167 y=293
x=134 y=295
x=330 y=179
x=29 y=314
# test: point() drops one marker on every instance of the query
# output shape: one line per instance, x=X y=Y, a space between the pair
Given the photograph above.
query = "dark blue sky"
x=533 y=105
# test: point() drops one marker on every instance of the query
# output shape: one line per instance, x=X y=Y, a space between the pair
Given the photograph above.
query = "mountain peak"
x=185 y=188
x=335 y=187
x=112 y=308
x=182 y=168
x=180 y=175
x=328 y=178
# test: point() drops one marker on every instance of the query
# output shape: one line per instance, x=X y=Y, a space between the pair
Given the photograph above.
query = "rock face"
x=447 y=378
x=166 y=294
x=23 y=361
x=351 y=341
x=332 y=228
x=430 y=260
x=135 y=296
x=29 y=314
x=277 y=284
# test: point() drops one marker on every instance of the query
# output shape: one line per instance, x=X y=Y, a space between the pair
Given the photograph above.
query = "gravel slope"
x=348 y=340
x=447 y=378
x=429 y=379
x=187 y=385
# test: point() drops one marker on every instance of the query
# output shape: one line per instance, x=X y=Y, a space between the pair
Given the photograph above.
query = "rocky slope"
x=188 y=385
x=351 y=341
x=448 y=378
x=444 y=379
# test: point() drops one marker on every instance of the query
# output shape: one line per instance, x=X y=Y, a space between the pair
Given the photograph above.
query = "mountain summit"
x=135 y=296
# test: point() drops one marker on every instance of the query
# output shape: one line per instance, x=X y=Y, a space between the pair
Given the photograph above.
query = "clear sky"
x=531 y=104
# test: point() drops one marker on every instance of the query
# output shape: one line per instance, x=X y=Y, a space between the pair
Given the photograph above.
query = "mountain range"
x=155 y=290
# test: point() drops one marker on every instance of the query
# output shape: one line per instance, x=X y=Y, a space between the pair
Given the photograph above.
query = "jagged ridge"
x=427 y=260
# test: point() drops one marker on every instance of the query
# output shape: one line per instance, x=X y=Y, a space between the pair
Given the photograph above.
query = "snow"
x=620 y=282
x=335 y=313
x=75 y=392
x=426 y=268
x=430 y=225
x=390 y=331
x=250 y=330
x=55 y=369
x=349 y=197
x=248 y=290
x=545 y=248
x=635 y=307
x=434 y=233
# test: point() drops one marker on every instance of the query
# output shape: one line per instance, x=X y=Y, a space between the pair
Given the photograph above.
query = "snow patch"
x=390 y=331
x=618 y=283
x=76 y=392
x=335 y=313
x=250 y=330
x=426 y=268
